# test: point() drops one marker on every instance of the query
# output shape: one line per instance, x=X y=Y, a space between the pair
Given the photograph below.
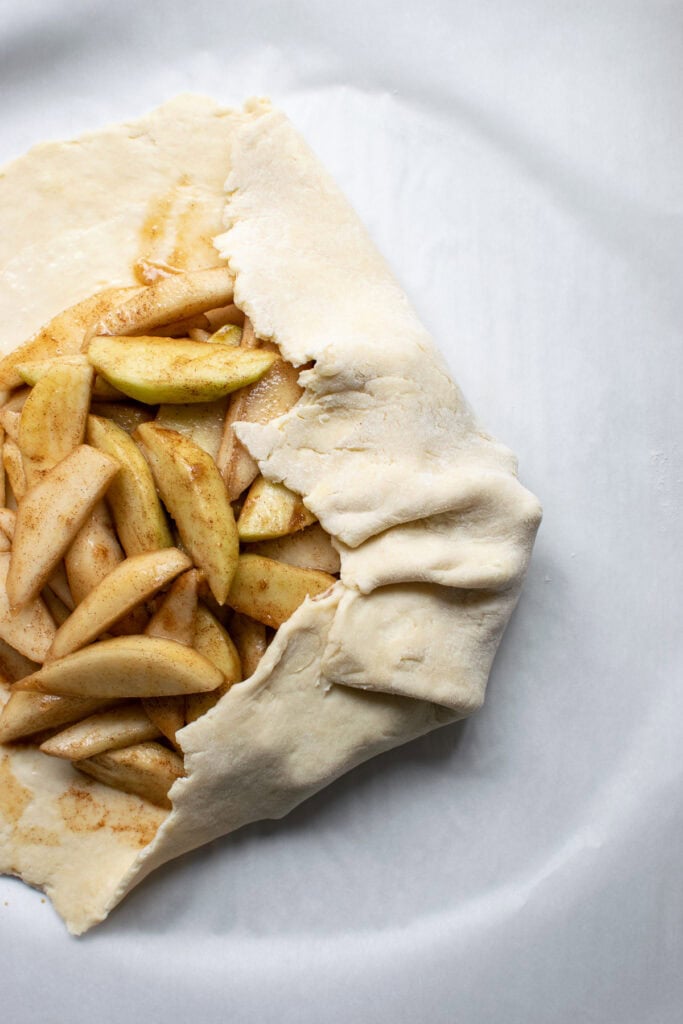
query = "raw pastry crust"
x=433 y=527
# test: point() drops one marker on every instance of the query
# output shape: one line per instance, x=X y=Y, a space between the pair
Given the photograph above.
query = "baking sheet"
x=518 y=163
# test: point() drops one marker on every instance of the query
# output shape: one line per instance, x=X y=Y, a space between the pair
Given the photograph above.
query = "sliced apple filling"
x=144 y=562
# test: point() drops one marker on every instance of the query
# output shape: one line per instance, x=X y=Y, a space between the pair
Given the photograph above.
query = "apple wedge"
x=56 y=607
x=167 y=300
x=126 y=586
x=31 y=629
x=106 y=730
x=126 y=667
x=309 y=549
x=62 y=499
x=175 y=620
x=63 y=334
x=132 y=497
x=271 y=510
x=272 y=396
x=53 y=419
x=250 y=640
x=28 y=713
x=155 y=370
x=194 y=493
x=13 y=464
x=9 y=421
x=94 y=553
x=202 y=423
x=145 y=769
x=270 y=592
x=213 y=641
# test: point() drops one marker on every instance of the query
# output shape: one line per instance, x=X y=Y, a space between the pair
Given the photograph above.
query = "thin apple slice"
x=30 y=630
x=5 y=543
x=126 y=667
x=94 y=553
x=175 y=617
x=145 y=769
x=202 y=423
x=194 y=493
x=28 y=713
x=53 y=419
x=214 y=642
x=271 y=510
x=9 y=421
x=107 y=730
x=63 y=334
x=272 y=396
x=167 y=370
x=33 y=370
x=169 y=299
x=127 y=586
x=250 y=640
x=14 y=467
x=62 y=499
x=132 y=497
x=309 y=549
x=175 y=620
x=270 y=591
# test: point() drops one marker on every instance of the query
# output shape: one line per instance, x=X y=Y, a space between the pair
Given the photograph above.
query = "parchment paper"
x=518 y=162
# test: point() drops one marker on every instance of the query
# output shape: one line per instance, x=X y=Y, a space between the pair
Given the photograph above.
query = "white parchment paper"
x=518 y=163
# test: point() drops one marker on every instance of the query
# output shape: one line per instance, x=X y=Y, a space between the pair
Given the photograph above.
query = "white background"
x=519 y=164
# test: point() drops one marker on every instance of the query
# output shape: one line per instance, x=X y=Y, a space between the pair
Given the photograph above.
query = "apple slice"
x=270 y=591
x=31 y=629
x=94 y=553
x=175 y=620
x=13 y=464
x=167 y=300
x=202 y=423
x=63 y=334
x=309 y=549
x=9 y=421
x=62 y=499
x=126 y=667
x=28 y=713
x=53 y=419
x=132 y=497
x=271 y=510
x=145 y=769
x=213 y=641
x=33 y=370
x=106 y=730
x=194 y=493
x=250 y=640
x=154 y=370
x=272 y=396
x=127 y=586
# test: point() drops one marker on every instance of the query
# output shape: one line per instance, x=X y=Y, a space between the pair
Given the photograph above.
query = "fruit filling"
x=144 y=561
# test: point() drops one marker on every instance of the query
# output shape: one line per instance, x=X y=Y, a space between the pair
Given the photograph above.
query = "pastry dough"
x=433 y=528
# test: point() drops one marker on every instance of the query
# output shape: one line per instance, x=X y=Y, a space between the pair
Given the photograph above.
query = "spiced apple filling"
x=144 y=562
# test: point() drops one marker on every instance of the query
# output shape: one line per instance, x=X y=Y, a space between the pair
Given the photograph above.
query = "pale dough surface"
x=432 y=525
